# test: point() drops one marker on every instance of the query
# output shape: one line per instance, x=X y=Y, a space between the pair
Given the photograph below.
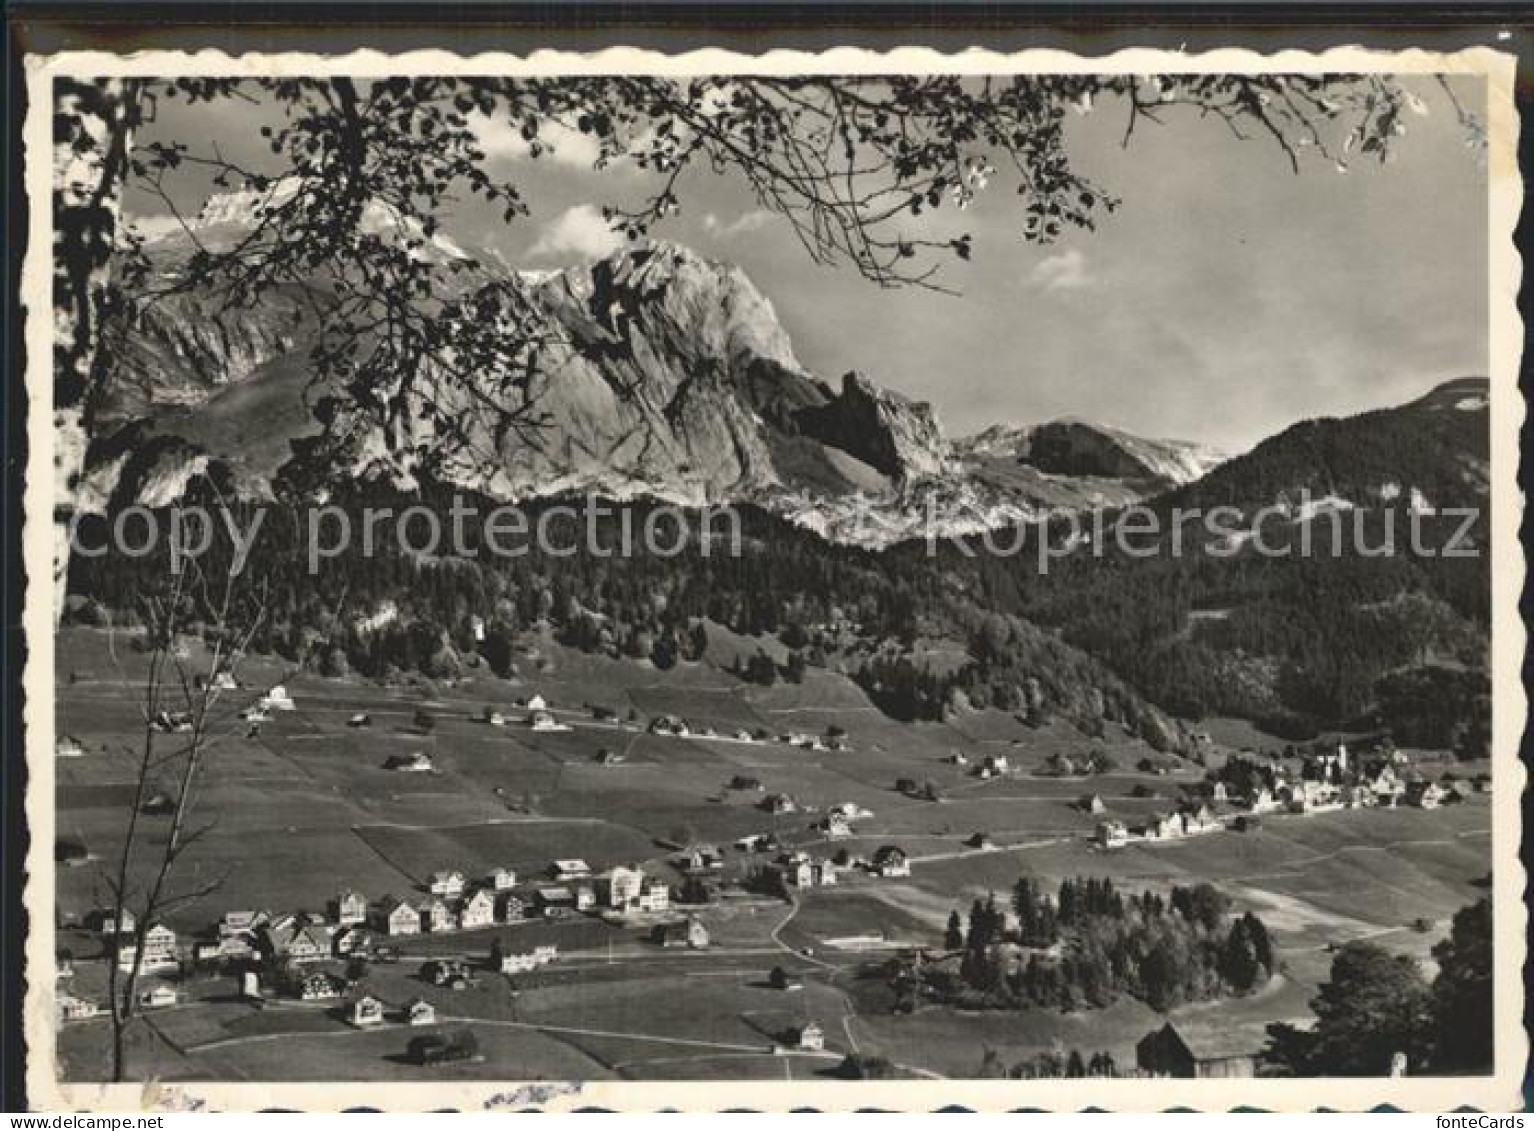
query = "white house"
x=537 y=703
x=478 y=911
x=159 y=950
x=503 y=879
x=570 y=869
x=366 y=1012
x=351 y=907
x=448 y=885
x=1112 y=834
x=621 y=887
x=277 y=699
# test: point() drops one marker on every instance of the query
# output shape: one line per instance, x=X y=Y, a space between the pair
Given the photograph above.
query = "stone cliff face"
x=666 y=375
x=897 y=437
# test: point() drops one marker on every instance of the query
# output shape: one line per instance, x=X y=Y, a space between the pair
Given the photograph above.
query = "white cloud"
x=751 y=221
x=579 y=231
x=560 y=144
x=1063 y=271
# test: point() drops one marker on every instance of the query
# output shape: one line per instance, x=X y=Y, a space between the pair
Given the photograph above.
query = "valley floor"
x=305 y=808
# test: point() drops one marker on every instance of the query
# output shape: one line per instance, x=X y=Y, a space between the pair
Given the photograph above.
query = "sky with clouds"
x=1227 y=298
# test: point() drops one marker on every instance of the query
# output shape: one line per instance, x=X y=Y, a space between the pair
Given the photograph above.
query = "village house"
x=447 y=885
x=292 y=940
x=321 y=986
x=585 y=896
x=494 y=717
x=809 y=1037
x=1424 y=794
x=158 y=996
x=351 y=907
x=545 y=722
x=834 y=826
x=477 y=911
x=619 y=888
x=689 y=933
x=572 y=869
x=365 y=1012
x=420 y=1012
x=277 y=699
x=701 y=858
x=554 y=902
x=654 y=896
x=780 y=803
x=503 y=879
x=1199 y=819
x=73 y=1008
x=160 y=951
x=508 y=961
x=1218 y=1054
x=537 y=703
x=355 y=939
x=891 y=861
x=1112 y=834
x=511 y=907
x=360 y=720
x=996 y=764
x=68 y=747
x=399 y=917
x=438 y=916
x=1262 y=801
x=1092 y=803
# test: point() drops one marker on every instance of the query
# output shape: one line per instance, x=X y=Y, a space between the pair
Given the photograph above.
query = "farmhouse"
x=809 y=1037
x=554 y=902
x=701 y=858
x=835 y=826
x=448 y=885
x=508 y=961
x=478 y=910
x=494 y=717
x=277 y=699
x=890 y=861
x=621 y=887
x=438 y=916
x=544 y=722
x=68 y=747
x=1168 y=1052
x=72 y=1008
x=299 y=942
x=655 y=896
x=689 y=933
x=321 y=986
x=780 y=803
x=420 y=1012
x=1112 y=834
x=1424 y=794
x=503 y=879
x=360 y=720
x=572 y=869
x=1092 y=803
x=159 y=996
x=351 y=907
x=511 y=907
x=996 y=764
x=366 y=1012
x=354 y=939
x=537 y=703
x=160 y=951
x=585 y=897
x=399 y=917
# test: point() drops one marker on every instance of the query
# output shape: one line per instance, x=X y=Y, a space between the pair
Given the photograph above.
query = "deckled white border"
x=1500 y=1092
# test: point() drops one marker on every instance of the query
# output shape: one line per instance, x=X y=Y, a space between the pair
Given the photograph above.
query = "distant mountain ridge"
x=672 y=378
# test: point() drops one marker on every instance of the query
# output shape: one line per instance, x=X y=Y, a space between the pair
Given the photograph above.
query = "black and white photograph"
x=902 y=579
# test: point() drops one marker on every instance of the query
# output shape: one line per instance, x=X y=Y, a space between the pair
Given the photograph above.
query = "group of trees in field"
x=1090 y=943
x=1376 y=1005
